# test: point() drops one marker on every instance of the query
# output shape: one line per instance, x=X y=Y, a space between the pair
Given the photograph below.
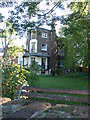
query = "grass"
x=68 y=82
x=62 y=82
x=63 y=94
x=59 y=101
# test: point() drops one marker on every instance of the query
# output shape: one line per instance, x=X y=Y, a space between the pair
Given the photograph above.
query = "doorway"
x=43 y=65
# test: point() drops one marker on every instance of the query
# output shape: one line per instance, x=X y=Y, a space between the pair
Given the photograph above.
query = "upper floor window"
x=33 y=35
x=26 y=47
x=44 y=35
x=44 y=47
x=33 y=47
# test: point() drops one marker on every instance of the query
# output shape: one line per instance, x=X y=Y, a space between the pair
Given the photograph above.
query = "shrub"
x=34 y=70
x=13 y=76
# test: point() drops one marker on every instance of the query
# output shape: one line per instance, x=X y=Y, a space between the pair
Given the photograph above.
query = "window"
x=27 y=47
x=33 y=47
x=60 y=64
x=44 y=47
x=33 y=35
x=32 y=59
x=44 y=35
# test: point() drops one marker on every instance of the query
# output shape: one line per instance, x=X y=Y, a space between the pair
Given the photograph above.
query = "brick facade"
x=51 y=42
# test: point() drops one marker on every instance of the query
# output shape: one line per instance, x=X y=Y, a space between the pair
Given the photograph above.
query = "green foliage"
x=34 y=69
x=13 y=76
x=58 y=72
x=82 y=75
x=75 y=36
x=23 y=12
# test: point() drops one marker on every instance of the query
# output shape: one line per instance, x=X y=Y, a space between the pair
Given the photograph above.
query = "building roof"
x=26 y=54
x=36 y=54
x=40 y=54
x=44 y=29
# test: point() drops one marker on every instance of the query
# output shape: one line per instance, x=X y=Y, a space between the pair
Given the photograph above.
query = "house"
x=41 y=46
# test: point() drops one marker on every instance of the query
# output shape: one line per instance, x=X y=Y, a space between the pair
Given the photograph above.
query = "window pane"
x=44 y=46
x=33 y=47
x=44 y=35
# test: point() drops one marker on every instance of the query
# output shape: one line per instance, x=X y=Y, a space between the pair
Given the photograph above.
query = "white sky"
x=59 y=12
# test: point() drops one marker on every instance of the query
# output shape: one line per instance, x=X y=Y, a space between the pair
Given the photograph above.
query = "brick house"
x=41 y=46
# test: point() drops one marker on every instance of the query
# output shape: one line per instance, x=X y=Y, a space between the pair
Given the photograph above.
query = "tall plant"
x=12 y=73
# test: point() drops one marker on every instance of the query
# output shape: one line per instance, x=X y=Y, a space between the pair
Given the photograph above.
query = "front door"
x=43 y=64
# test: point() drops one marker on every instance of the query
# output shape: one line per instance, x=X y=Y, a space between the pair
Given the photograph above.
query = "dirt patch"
x=63 y=111
x=36 y=109
x=29 y=110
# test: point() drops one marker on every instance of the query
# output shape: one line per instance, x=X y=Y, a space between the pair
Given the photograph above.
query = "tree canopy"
x=75 y=30
x=75 y=35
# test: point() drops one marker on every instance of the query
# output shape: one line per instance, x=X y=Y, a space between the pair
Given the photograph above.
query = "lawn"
x=62 y=82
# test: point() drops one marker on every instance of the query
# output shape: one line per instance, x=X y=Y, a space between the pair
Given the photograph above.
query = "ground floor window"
x=44 y=63
x=60 y=64
x=32 y=59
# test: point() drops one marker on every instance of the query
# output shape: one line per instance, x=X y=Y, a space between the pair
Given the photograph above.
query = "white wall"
x=38 y=59
x=27 y=60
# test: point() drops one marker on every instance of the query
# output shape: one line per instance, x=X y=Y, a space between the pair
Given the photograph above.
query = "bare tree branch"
x=51 y=10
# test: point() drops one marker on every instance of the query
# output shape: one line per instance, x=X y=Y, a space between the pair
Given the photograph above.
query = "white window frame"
x=42 y=48
x=44 y=35
x=35 y=41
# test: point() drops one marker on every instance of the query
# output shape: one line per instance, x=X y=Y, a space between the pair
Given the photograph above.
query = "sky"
x=59 y=12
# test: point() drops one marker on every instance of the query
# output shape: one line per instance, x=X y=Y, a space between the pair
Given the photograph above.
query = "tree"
x=75 y=36
x=7 y=35
x=1 y=18
x=24 y=14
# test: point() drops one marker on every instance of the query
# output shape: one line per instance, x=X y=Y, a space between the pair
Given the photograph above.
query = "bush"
x=58 y=71
x=13 y=76
x=78 y=75
x=34 y=70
